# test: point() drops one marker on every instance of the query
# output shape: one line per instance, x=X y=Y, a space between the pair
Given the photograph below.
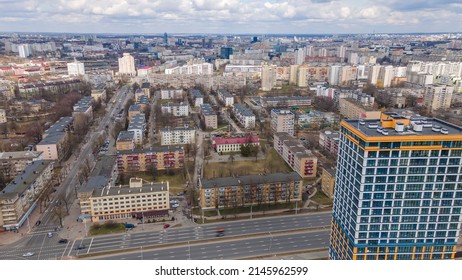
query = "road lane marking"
x=91 y=242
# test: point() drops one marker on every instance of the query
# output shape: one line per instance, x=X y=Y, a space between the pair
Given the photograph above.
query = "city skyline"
x=231 y=16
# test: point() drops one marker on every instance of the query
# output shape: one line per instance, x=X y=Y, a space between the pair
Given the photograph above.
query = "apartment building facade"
x=208 y=116
x=177 y=136
x=282 y=121
x=397 y=191
x=160 y=158
x=295 y=155
x=239 y=191
x=177 y=109
x=233 y=144
x=244 y=116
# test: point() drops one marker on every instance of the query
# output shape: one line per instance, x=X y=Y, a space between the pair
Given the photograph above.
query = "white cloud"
x=291 y=16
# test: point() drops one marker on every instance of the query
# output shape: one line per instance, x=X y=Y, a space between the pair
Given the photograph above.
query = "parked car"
x=50 y=235
x=28 y=254
x=80 y=247
x=63 y=241
x=220 y=232
x=129 y=226
x=166 y=226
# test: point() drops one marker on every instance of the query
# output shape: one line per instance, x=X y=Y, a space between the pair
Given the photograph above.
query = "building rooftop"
x=249 y=180
x=225 y=93
x=294 y=145
x=235 y=140
x=59 y=126
x=134 y=108
x=19 y=155
x=207 y=110
x=393 y=124
x=244 y=110
x=196 y=93
x=52 y=139
x=94 y=183
x=281 y=112
x=125 y=136
x=166 y=129
x=124 y=190
x=23 y=181
x=162 y=149
x=146 y=85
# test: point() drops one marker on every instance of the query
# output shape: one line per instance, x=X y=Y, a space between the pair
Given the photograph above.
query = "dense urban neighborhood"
x=168 y=146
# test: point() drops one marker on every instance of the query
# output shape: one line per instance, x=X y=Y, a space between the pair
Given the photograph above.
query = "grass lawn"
x=271 y=164
x=107 y=228
x=321 y=198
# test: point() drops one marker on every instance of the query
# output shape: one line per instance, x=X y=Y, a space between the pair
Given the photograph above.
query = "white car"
x=28 y=254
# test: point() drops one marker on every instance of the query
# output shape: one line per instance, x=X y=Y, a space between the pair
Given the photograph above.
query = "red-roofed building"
x=233 y=144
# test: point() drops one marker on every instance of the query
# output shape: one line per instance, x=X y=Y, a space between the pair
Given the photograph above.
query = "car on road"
x=80 y=247
x=166 y=226
x=28 y=254
x=50 y=235
x=63 y=241
x=220 y=232
x=38 y=223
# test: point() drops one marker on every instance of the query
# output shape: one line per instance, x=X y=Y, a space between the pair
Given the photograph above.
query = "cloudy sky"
x=231 y=16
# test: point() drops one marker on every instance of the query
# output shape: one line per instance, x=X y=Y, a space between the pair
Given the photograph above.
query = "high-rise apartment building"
x=299 y=56
x=437 y=97
x=75 y=68
x=282 y=121
x=268 y=77
x=127 y=65
x=398 y=194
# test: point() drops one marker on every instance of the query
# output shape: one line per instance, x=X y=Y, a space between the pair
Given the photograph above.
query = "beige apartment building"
x=13 y=163
x=161 y=158
x=102 y=201
x=232 y=192
x=352 y=109
x=209 y=116
x=282 y=121
x=295 y=155
x=328 y=182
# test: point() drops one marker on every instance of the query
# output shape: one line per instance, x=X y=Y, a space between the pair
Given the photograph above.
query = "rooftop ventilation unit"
x=399 y=127
x=418 y=126
x=444 y=131
x=436 y=128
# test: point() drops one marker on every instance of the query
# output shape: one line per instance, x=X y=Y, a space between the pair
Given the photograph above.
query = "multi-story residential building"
x=53 y=144
x=244 y=116
x=19 y=198
x=209 y=116
x=268 y=77
x=197 y=97
x=328 y=182
x=284 y=101
x=125 y=141
x=353 y=109
x=83 y=107
x=138 y=125
x=146 y=87
x=438 y=97
x=282 y=121
x=239 y=191
x=127 y=65
x=133 y=110
x=2 y=116
x=297 y=157
x=226 y=98
x=171 y=94
x=75 y=68
x=233 y=144
x=99 y=94
x=397 y=191
x=177 y=136
x=102 y=201
x=143 y=102
x=177 y=109
x=13 y=163
x=161 y=158
x=328 y=140
x=315 y=119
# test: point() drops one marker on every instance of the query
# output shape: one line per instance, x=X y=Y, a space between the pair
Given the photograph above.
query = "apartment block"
x=133 y=110
x=240 y=191
x=19 y=198
x=209 y=116
x=328 y=182
x=53 y=144
x=233 y=144
x=297 y=157
x=161 y=158
x=244 y=116
x=328 y=140
x=171 y=94
x=138 y=126
x=177 y=136
x=353 y=109
x=177 y=109
x=13 y=163
x=125 y=141
x=197 y=97
x=225 y=98
x=438 y=97
x=398 y=194
x=285 y=101
x=282 y=121
x=102 y=201
x=2 y=116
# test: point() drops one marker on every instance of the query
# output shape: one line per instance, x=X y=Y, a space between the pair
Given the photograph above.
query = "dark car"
x=63 y=241
x=80 y=247
x=166 y=226
x=220 y=232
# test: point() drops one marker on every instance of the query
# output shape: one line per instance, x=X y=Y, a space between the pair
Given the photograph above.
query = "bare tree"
x=66 y=201
x=59 y=212
x=118 y=127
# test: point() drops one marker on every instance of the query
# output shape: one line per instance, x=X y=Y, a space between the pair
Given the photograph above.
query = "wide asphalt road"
x=48 y=248
x=266 y=245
